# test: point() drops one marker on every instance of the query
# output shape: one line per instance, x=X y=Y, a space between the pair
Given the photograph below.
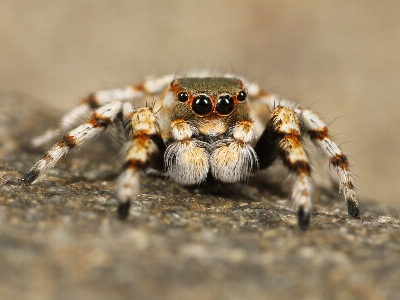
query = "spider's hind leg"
x=318 y=132
x=150 y=86
x=282 y=137
x=100 y=120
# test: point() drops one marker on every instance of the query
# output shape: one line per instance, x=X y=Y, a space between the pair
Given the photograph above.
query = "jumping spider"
x=203 y=125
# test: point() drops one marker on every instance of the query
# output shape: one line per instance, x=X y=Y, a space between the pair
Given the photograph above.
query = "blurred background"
x=339 y=57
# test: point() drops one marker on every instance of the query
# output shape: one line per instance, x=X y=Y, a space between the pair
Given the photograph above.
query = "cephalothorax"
x=203 y=126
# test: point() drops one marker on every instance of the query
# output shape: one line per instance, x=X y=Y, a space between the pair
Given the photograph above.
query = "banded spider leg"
x=282 y=137
x=100 y=120
x=317 y=131
x=145 y=150
x=150 y=86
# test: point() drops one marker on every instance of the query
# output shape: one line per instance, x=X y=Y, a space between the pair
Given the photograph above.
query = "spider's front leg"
x=282 y=137
x=185 y=160
x=100 y=120
x=144 y=150
x=318 y=133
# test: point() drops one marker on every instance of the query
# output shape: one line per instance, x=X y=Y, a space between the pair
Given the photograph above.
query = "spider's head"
x=211 y=102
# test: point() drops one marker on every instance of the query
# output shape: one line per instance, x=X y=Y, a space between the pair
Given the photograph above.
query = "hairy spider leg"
x=144 y=150
x=282 y=137
x=318 y=132
x=150 y=86
x=100 y=120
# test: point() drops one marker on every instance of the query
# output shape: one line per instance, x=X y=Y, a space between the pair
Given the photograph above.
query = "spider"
x=204 y=125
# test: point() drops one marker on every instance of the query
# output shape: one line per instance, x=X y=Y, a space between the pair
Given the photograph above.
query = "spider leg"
x=282 y=137
x=318 y=132
x=150 y=86
x=144 y=150
x=262 y=103
x=100 y=120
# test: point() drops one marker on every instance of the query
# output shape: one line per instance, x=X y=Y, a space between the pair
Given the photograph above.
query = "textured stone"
x=60 y=237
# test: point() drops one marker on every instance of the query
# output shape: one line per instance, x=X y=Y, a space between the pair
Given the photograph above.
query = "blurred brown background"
x=340 y=57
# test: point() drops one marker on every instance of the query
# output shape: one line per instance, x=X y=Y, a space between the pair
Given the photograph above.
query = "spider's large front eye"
x=225 y=104
x=241 y=96
x=201 y=105
x=183 y=97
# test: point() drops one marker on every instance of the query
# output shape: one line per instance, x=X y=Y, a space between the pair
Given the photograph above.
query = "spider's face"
x=211 y=104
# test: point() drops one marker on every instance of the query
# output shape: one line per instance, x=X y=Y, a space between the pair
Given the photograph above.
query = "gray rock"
x=60 y=237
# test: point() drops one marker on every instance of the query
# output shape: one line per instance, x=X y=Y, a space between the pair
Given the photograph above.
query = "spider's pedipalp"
x=186 y=159
x=101 y=119
x=318 y=132
x=233 y=159
x=187 y=162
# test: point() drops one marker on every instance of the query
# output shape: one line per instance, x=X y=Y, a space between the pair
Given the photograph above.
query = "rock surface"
x=60 y=237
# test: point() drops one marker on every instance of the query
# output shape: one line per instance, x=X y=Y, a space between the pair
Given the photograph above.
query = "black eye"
x=201 y=105
x=225 y=104
x=183 y=97
x=241 y=96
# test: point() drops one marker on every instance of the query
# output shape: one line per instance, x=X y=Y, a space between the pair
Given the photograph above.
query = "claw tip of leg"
x=303 y=219
x=29 y=177
x=123 y=210
x=354 y=211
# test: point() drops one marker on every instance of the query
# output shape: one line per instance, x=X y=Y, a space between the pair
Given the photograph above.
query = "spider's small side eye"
x=202 y=105
x=183 y=97
x=241 y=96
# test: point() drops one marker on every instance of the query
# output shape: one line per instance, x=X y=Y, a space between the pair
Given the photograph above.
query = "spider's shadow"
x=256 y=188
